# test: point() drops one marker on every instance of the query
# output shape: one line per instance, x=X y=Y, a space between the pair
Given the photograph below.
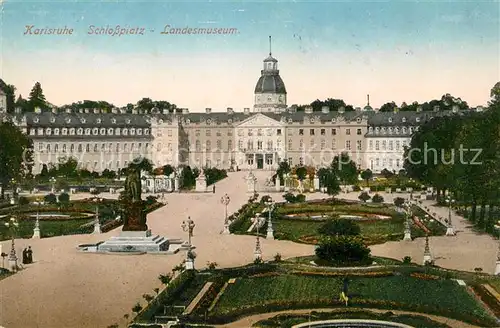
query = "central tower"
x=270 y=92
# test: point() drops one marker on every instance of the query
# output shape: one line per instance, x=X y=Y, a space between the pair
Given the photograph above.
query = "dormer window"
x=370 y=129
x=139 y=132
x=383 y=130
x=36 y=120
x=68 y=120
x=80 y=131
x=117 y=131
x=160 y=121
x=229 y=121
x=113 y=120
x=72 y=131
x=404 y=130
x=358 y=120
x=95 y=131
x=52 y=119
x=290 y=121
x=417 y=119
x=102 y=132
x=396 y=130
x=146 y=132
x=132 y=131
x=125 y=132
x=48 y=132
x=64 y=131
x=390 y=119
x=390 y=130
x=110 y=131
x=87 y=131
x=403 y=119
x=188 y=121
x=83 y=121
x=377 y=129
x=411 y=130
x=98 y=121
x=209 y=121
x=56 y=132
x=127 y=121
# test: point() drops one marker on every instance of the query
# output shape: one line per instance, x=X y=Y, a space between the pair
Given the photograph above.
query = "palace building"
x=259 y=139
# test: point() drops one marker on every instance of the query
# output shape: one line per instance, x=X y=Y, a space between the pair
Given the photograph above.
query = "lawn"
x=441 y=296
x=48 y=228
x=288 y=320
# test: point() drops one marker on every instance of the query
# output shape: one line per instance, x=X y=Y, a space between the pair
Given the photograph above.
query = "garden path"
x=249 y=321
x=64 y=288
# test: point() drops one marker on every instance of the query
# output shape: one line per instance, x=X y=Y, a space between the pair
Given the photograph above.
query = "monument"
x=251 y=181
x=135 y=235
x=201 y=182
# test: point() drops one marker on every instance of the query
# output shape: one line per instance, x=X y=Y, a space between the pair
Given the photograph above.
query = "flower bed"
x=489 y=299
x=344 y=273
x=424 y=276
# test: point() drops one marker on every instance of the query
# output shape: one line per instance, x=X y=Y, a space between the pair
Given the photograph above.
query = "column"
x=254 y=161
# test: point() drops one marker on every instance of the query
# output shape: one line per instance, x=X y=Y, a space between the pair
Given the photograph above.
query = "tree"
x=10 y=94
x=16 y=151
x=386 y=173
x=364 y=196
x=377 y=198
x=367 y=175
x=343 y=250
x=142 y=164
x=167 y=170
x=339 y=227
x=283 y=168
x=165 y=278
x=50 y=199
x=332 y=184
x=399 y=202
x=301 y=173
x=69 y=168
x=388 y=107
x=187 y=177
x=495 y=94
x=37 y=98
x=344 y=168
x=44 y=173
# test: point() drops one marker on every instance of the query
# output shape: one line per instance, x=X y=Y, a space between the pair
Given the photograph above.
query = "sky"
x=392 y=50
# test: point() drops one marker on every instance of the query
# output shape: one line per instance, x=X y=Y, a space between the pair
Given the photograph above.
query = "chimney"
x=436 y=108
x=454 y=109
x=68 y=110
x=208 y=110
x=308 y=109
x=230 y=110
x=185 y=111
x=341 y=109
x=419 y=109
x=246 y=110
x=325 y=109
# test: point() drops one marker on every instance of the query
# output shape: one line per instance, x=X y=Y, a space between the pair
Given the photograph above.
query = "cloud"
x=458 y=18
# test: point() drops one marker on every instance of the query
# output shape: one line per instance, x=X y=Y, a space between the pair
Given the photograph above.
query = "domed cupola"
x=270 y=91
x=368 y=107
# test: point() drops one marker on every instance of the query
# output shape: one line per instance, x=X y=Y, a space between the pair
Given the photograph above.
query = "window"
x=377 y=145
x=334 y=144
x=290 y=144
x=259 y=145
x=197 y=133
x=278 y=144
x=249 y=145
x=96 y=148
x=103 y=147
x=390 y=162
x=103 y=132
x=358 y=132
x=377 y=161
x=169 y=133
x=217 y=133
x=348 y=132
x=334 y=132
x=219 y=144
x=371 y=145
x=301 y=132
x=48 y=132
x=125 y=147
x=229 y=132
x=358 y=145
x=240 y=144
x=208 y=145
x=95 y=131
x=169 y=146
x=250 y=133
x=64 y=131
x=139 y=132
x=384 y=145
x=56 y=148
x=117 y=147
x=290 y=161
x=301 y=144
x=229 y=145
x=323 y=144
x=396 y=130
x=198 y=145
x=48 y=148
x=259 y=132
x=312 y=144
x=323 y=132
x=64 y=148
x=290 y=132
x=348 y=145
x=404 y=130
x=301 y=161
x=403 y=119
x=125 y=132
x=117 y=131
x=40 y=147
x=269 y=145
x=87 y=131
x=278 y=132
x=417 y=119
x=80 y=148
x=397 y=162
x=311 y=132
x=370 y=129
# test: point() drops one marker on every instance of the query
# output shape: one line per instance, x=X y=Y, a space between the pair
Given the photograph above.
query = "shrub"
x=165 y=278
x=339 y=227
x=23 y=200
x=258 y=260
x=343 y=250
x=277 y=257
x=356 y=188
x=407 y=260
x=377 y=198
x=148 y=297
x=137 y=308
x=63 y=198
x=364 y=196
x=50 y=198
x=399 y=201
x=289 y=197
x=150 y=200
x=212 y=265
x=265 y=199
x=301 y=198
x=95 y=192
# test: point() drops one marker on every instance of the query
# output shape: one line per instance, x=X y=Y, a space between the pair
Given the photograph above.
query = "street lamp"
x=270 y=207
x=449 y=230
x=36 y=230
x=257 y=254
x=408 y=213
x=97 y=225
x=12 y=225
x=13 y=182
x=188 y=226
x=225 y=200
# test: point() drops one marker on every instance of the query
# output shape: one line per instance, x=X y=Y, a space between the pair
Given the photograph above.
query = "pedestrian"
x=25 y=256
x=214 y=189
x=29 y=254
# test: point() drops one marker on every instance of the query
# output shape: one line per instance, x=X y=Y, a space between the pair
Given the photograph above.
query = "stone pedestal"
x=135 y=241
x=278 y=184
x=226 y=230
x=407 y=236
x=270 y=233
x=257 y=254
x=427 y=258
x=13 y=264
x=135 y=218
x=176 y=183
x=450 y=231
x=189 y=264
x=36 y=233
x=201 y=183
x=97 y=228
x=316 y=182
x=251 y=181
x=497 y=268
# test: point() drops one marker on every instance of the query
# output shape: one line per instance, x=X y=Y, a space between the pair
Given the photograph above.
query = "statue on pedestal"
x=134 y=216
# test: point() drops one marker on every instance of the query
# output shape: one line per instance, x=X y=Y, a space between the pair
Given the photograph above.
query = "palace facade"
x=257 y=139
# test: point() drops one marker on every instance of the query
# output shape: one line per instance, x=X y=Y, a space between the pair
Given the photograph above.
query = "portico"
x=263 y=160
